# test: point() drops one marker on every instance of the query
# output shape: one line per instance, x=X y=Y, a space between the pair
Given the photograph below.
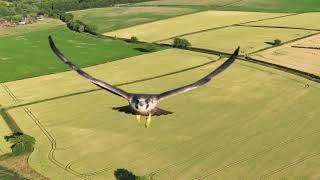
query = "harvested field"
x=169 y=28
x=303 y=59
x=307 y=20
x=250 y=39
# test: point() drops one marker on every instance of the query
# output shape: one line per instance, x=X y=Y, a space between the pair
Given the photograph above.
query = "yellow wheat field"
x=302 y=59
x=177 y=26
x=235 y=126
x=306 y=20
x=250 y=39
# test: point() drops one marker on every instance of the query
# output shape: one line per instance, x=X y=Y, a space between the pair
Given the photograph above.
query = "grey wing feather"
x=202 y=81
x=95 y=81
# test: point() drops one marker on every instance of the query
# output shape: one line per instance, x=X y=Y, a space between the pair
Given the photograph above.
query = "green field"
x=188 y=2
x=110 y=19
x=29 y=54
x=250 y=39
x=307 y=20
x=169 y=28
x=251 y=122
x=275 y=6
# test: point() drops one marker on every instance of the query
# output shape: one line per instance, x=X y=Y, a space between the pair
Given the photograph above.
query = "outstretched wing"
x=202 y=81
x=95 y=81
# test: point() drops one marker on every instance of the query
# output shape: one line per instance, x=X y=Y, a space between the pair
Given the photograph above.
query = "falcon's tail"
x=159 y=112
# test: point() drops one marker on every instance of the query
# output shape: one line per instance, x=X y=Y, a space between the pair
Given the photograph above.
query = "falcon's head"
x=142 y=104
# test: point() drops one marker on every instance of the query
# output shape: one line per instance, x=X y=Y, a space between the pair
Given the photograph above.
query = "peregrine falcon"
x=144 y=104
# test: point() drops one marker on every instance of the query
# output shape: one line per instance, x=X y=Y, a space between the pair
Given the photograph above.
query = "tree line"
x=11 y=8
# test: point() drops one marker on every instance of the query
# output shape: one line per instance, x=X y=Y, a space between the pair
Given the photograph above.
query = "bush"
x=90 y=29
x=134 y=39
x=277 y=42
x=66 y=17
x=21 y=143
x=81 y=28
x=181 y=43
x=150 y=48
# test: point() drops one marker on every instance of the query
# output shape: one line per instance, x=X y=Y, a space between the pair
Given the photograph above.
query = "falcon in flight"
x=144 y=104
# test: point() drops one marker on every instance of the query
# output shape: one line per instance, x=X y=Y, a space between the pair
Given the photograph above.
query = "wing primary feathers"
x=95 y=81
x=203 y=80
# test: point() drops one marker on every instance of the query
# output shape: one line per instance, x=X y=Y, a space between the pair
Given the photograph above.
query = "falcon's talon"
x=138 y=118
x=148 y=122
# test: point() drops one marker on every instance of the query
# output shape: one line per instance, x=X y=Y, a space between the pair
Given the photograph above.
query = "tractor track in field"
x=52 y=142
x=150 y=154
x=41 y=127
x=206 y=155
x=260 y=154
x=289 y=165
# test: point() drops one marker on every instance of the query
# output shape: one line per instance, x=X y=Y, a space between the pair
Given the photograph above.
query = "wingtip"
x=236 y=52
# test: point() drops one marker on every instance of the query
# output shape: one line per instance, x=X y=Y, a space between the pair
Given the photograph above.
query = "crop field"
x=47 y=23
x=189 y=2
x=178 y=26
x=250 y=39
x=307 y=20
x=304 y=59
x=114 y=18
x=242 y=129
x=29 y=55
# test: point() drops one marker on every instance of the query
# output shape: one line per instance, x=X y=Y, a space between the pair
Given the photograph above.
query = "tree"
x=277 y=42
x=21 y=143
x=90 y=29
x=133 y=39
x=181 y=43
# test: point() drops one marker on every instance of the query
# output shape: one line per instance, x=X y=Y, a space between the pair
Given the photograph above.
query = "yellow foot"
x=148 y=122
x=138 y=118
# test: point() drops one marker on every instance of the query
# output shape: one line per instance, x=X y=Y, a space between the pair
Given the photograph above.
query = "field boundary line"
x=300 y=73
x=277 y=27
x=53 y=143
x=227 y=26
x=287 y=42
x=256 y=155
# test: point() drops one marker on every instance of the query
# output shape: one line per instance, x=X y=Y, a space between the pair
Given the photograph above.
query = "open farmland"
x=110 y=19
x=250 y=39
x=307 y=20
x=169 y=28
x=304 y=59
x=189 y=2
x=29 y=55
x=240 y=128
x=47 y=23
